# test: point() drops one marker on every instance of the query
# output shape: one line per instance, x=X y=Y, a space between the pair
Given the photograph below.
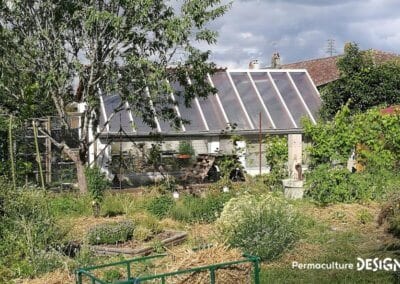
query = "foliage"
x=362 y=83
x=111 y=275
x=377 y=134
x=149 y=222
x=206 y=209
x=263 y=225
x=29 y=232
x=276 y=151
x=277 y=157
x=97 y=183
x=111 y=233
x=69 y=204
x=186 y=148
x=154 y=156
x=326 y=185
x=161 y=205
x=47 y=46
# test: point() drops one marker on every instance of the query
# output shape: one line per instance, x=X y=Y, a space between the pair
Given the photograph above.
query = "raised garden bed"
x=136 y=248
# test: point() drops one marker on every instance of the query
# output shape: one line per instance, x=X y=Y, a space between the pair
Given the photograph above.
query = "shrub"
x=160 y=205
x=331 y=185
x=200 y=209
x=28 y=232
x=68 y=204
x=97 y=184
x=263 y=225
x=111 y=233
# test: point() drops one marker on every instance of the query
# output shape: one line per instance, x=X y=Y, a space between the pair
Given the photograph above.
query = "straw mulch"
x=182 y=259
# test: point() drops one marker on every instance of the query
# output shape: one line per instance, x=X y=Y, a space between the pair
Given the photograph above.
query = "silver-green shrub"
x=111 y=233
x=264 y=226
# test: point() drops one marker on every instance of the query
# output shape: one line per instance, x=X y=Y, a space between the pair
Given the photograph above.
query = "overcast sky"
x=299 y=29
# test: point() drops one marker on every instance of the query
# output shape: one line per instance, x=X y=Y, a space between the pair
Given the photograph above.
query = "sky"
x=299 y=29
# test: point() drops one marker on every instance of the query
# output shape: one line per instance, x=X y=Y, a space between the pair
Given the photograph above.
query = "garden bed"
x=136 y=248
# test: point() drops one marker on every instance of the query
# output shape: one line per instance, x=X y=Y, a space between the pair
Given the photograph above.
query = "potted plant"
x=185 y=150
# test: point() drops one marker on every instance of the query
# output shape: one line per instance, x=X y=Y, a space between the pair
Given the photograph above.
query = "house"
x=324 y=70
x=249 y=103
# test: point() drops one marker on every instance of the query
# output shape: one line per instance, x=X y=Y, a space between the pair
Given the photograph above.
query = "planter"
x=176 y=239
x=184 y=156
x=293 y=188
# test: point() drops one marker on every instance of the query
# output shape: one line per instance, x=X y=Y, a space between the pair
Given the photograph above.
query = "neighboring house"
x=324 y=70
x=282 y=97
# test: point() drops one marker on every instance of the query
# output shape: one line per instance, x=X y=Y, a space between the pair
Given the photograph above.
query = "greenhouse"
x=250 y=103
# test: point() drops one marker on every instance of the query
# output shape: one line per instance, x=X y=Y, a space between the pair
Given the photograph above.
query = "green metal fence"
x=87 y=273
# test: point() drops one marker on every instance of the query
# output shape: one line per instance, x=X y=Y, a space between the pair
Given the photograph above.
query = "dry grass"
x=55 y=277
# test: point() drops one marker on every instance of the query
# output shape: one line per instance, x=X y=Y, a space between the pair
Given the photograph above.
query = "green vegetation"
x=97 y=184
x=362 y=85
x=263 y=225
x=161 y=205
x=29 y=233
x=277 y=156
x=111 y=233
x=42 y=47
x=206 y=209
x=374 y=139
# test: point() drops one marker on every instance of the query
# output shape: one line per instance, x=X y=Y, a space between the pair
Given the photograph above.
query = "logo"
x=375 y=264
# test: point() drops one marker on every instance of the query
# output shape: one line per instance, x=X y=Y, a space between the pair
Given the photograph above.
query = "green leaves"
x=362 y=84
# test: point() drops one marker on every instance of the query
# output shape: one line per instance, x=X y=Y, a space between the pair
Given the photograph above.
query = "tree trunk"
x=80 y=171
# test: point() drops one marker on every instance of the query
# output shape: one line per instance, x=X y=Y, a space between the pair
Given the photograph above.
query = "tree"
x=362 y=84
x=108 y=46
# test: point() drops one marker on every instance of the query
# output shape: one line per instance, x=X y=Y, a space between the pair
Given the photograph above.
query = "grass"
x=338 y=233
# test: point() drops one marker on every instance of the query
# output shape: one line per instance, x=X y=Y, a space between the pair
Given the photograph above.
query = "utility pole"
x=330 y=49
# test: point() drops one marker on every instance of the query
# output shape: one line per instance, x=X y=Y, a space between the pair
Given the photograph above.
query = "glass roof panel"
x=289 y=95
x=119 y=119
x=307 y=90
x=271 y=100
x=250 y=99
x=192 y=114
x=212 y=113
x=230 y=101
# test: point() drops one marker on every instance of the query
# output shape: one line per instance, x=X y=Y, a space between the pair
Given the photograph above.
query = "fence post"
x=256 y=272
x=212 y=276
x=38 y=158
x=11 y=149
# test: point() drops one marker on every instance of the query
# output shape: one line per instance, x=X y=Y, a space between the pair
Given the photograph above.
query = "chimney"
x=276 y=61
x=254 y=64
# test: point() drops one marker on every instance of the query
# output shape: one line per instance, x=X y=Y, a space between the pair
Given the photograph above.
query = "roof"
x=324 y=70
x=282 y=97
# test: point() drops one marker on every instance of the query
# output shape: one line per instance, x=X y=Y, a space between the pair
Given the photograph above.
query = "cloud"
x=299 y=30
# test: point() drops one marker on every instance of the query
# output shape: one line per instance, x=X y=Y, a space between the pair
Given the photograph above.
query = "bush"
x=263 y=225
x=196 y=209
x=160 y=205
x=28 y=232
x=331 y=185
x=97 y=184
x=68 y=204
x=111 y=233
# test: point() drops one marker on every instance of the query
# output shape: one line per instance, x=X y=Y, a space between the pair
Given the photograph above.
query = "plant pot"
x=184 y=156
x=293 y=189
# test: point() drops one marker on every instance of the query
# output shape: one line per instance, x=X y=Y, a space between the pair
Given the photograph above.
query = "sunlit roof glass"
x=192 y=113
x=229 y=100
x=307 y=90
x=271 y=100
x=250 y=99
x=291 y=98
x=282 y=97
